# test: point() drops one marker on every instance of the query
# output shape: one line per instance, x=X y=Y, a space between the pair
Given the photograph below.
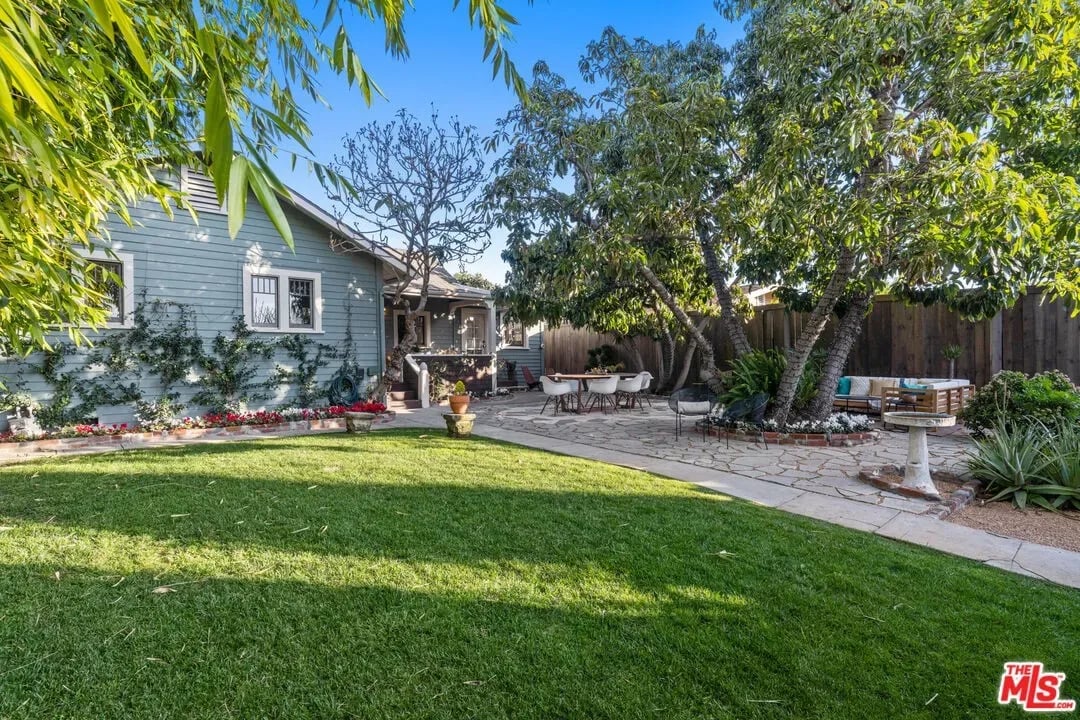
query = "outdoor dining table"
x=582 y=378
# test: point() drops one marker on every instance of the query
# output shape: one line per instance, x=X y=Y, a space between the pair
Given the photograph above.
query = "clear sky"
x=445 y=69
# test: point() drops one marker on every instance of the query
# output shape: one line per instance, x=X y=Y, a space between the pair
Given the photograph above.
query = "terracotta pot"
x=459 y=404
x=358 y=422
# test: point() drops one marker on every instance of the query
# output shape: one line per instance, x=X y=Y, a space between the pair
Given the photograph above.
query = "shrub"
x=157 y=414
x=1012 y=399
x=759 y=371
x=605 y=356
x=1030 y=464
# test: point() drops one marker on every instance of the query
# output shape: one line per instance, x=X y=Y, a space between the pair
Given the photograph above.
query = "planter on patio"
x=358 y=422
x=459 y=425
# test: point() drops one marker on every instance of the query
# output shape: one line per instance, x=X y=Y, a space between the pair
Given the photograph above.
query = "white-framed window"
x=472 y=330
x=282 y=301
x=423 y=328
x=114 y=275
x=512 y=334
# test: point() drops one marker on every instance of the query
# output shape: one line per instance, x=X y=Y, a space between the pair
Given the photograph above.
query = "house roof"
x=441 y=284
x=347 y=234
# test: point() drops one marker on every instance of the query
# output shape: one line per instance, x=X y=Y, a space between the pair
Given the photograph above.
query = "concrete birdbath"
x=917 y=473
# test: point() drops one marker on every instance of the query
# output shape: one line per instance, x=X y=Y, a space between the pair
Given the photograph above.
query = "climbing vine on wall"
x=229 y=370
x=162 y=354
x=306 y=364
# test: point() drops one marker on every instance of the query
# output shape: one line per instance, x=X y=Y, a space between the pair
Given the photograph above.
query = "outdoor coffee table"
x=848 y=399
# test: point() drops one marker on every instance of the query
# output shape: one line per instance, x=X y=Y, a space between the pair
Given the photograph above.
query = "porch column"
x=492 y=343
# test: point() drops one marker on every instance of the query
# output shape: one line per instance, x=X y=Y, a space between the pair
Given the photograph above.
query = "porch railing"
x=423 y=380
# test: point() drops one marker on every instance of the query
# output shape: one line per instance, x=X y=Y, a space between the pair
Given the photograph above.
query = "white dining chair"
x=627 y=389
x=557 y=391
x=646 y=385
x=602 y=391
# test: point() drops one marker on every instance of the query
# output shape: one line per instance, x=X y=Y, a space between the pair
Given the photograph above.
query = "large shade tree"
x=416 y=187
x=904 y=146
x=97 y=94
x=606 y=196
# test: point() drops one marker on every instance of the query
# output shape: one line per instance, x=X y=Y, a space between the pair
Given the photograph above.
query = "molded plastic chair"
x=557 y=391
x=628 y=389
x=646 y=383
x=697 y=401
x=602 y=390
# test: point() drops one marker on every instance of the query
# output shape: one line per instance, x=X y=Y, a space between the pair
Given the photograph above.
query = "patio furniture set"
x=564 y=391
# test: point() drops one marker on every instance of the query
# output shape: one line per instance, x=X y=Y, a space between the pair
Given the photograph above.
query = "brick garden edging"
x=803 y=439
x=960 y=498
x=50 y=447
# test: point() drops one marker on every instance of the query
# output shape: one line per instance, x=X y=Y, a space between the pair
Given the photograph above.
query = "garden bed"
x=1057 y=529
x=798 y=438
x=25 y=449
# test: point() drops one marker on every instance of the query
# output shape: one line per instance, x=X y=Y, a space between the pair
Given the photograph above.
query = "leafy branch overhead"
x=97 y=95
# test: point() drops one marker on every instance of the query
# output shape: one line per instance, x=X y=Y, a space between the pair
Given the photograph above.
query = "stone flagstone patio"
x=827 y=471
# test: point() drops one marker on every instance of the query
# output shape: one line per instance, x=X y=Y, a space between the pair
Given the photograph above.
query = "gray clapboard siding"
x=533 y=358
x=197 y=264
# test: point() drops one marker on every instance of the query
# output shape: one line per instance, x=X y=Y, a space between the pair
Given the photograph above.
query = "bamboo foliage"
x=96 y=96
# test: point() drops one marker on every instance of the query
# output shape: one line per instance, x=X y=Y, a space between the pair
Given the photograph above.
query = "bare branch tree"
x=416 y=188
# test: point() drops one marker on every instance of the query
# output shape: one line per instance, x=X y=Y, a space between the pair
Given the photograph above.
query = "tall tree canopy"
x=839 y=150
x=601 y=194
x=903 y=146
x=418 y=188
x=96 y=94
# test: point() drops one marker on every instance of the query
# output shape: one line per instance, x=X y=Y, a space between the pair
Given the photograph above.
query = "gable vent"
x=199 y=191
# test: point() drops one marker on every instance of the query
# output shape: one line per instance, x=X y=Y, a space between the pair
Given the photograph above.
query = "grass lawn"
x=407 y=575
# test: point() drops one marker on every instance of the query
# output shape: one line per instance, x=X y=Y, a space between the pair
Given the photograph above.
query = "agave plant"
x=1030 y=465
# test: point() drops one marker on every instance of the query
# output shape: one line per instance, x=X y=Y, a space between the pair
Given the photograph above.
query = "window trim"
x=283 y=276
x=427 y=328
x=127 y=276
x=524 y=335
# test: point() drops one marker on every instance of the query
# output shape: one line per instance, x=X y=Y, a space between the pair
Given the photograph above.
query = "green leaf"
x=269 y=201
x=237 y=195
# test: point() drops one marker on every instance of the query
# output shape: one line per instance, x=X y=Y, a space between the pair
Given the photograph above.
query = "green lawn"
x=407 y=575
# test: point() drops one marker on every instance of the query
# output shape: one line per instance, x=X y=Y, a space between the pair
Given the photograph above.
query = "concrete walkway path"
x=1018 y=556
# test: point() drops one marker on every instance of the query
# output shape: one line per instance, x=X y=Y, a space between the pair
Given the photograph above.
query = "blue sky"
x=445 y=68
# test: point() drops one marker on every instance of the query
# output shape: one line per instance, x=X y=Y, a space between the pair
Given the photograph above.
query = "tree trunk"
x=635 y=352
x=708 y=357
x=847 y=331
x=395 y=364
x=688 y=360
x=667 y=360
x=804 y=344
x=887 y=95
x=729 y=319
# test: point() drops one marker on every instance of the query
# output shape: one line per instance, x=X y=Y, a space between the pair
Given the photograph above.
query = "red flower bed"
x=210 y=420
x=262 y=417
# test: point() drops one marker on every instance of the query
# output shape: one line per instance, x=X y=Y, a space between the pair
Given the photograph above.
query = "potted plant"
x=952 y=353
x=20 y=407
x=358 y=418
x=459 y=399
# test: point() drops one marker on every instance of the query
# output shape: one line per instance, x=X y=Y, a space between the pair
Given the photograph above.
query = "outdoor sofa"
x=869 y=395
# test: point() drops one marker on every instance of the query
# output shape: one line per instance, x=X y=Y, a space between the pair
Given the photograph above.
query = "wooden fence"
x=897 y=340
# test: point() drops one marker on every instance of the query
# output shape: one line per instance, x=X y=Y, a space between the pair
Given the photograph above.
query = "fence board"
x=896 y=340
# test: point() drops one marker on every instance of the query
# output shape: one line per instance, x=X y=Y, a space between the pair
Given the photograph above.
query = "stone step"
x=404 y=404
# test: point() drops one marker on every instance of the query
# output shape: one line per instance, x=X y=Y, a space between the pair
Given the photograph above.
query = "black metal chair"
x=749 y=410
x=694 y=401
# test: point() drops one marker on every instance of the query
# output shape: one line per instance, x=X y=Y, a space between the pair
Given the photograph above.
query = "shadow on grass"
x=733 y=604
x=89 y=645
